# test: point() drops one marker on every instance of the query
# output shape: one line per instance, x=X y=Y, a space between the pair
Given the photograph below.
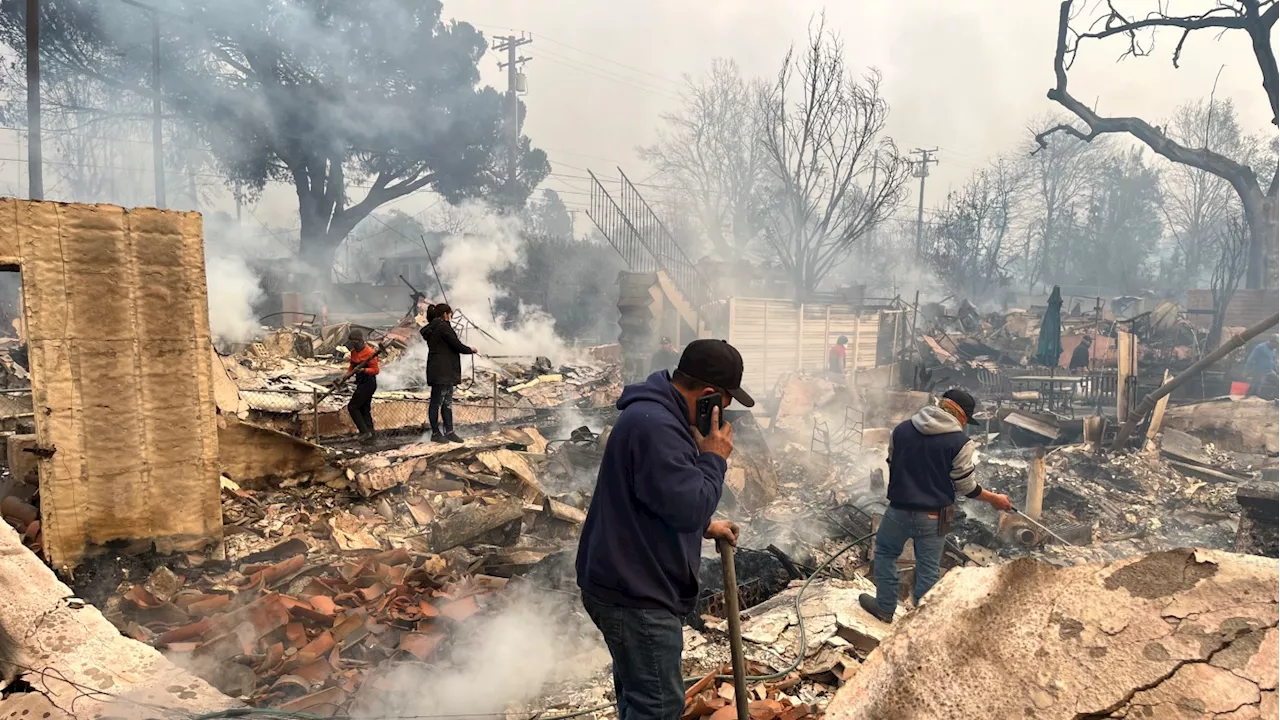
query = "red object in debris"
x=459 y=610
x=1240 y=388
x=267 y=576
x=420 y=645
x=142 y=597
x=324 y=605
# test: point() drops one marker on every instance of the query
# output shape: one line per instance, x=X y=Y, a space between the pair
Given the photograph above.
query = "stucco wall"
x=118 y=327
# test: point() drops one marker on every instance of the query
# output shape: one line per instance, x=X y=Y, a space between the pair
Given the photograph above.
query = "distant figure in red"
x=666 y=358
x=836 y=358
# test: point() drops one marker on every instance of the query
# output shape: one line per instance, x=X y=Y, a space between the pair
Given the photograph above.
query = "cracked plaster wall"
x=1178 y=634
x=117 y=321
x=78 y=660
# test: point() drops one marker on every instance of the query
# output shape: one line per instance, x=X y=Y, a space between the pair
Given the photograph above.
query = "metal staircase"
x=647 y=246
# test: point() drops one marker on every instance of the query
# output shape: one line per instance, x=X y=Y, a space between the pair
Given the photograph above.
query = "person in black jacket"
x=1080 y=357
x=444 y=371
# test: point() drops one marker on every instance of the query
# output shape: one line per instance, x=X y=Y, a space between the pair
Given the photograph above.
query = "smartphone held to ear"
x=703 y=412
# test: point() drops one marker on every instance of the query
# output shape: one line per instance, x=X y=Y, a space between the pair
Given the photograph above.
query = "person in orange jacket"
x=364 y=366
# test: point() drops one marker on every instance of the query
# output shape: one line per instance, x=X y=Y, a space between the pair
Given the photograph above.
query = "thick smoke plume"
x=234 y=287
x=467 y=266
x=233 y=291
x=502 y=661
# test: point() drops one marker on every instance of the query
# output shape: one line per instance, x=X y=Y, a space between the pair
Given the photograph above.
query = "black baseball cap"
x=965 y=401
x=716 y=363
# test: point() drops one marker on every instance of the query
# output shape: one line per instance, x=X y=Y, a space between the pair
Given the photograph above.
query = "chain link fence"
x=16 y=410
x=321 y=417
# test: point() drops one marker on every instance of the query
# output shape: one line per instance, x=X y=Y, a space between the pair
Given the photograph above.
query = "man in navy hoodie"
x=659 y=483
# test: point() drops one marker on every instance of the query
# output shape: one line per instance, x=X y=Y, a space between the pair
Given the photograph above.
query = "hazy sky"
x=964 y=75
x=967 y=76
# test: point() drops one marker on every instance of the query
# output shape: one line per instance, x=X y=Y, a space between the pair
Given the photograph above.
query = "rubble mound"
x=1246 y=424
x=1177 y=634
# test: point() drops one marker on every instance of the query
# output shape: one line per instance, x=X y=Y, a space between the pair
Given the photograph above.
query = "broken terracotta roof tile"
x=324 y=605
x=316 y=672
x=459 y=610
x=140 y=596
x=421 y=645
x=271 y=574
x=296 y=635
x=205 y=605
x=185 y=633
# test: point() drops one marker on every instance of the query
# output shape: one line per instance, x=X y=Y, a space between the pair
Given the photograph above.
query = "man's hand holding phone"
x=719 y=440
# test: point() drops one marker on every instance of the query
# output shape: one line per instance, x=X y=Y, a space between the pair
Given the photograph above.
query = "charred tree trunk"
x=317 y=250
x=1260 y=213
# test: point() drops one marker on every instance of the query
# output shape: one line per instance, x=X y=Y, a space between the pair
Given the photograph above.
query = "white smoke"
x=409 y=371
x=233 y=291
x=497 y=662
x=467 y=265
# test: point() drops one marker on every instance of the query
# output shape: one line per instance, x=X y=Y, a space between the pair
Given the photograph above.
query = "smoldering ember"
x=311 y=355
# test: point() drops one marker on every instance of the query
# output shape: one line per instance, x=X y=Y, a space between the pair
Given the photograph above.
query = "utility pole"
x=510 y=43
x=922 y=172
x=35 y=178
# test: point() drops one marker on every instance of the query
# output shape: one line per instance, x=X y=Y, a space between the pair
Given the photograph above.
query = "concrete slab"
x=79 y=660
x=1149 y=636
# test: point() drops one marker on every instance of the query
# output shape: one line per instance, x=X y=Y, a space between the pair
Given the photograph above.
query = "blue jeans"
x=895 y=528
x=645 y=646
x=440 y=407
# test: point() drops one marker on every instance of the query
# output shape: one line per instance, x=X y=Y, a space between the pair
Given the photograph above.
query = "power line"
x=585 y=155
x=566 y=45
x=624 y=79
x=594 y=73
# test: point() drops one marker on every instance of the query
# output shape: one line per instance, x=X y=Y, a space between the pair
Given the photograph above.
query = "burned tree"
x=969 y=246
x=1255 y=18
x=1231 y=242
x=823 y=135
x=1196 y=203
x=1059 y=176
x=710 y=150
x=352 y=104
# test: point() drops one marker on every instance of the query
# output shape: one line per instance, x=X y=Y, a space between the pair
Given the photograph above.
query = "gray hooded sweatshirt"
x=931 y=461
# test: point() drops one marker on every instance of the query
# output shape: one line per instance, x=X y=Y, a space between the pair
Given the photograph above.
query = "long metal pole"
x=434 y=271
x=740 y=698
x=1149 y=403
x=35 y=177
x=495 y=400
x=157 y=129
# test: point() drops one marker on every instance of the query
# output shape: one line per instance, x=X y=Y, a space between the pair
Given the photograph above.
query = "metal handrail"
x=617 y=228
x=663 y=245
x=645 y=244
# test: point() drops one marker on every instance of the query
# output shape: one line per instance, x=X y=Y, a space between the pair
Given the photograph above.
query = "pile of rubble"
x=338 y=573
x=296 y=394
x=1095 y=497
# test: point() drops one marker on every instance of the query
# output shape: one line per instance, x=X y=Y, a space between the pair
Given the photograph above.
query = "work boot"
x=438 y=438
x=868 y=603
x=453 y=437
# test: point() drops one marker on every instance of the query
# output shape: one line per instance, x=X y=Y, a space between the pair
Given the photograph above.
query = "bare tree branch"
x=1260 y=208
x=823 y=134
